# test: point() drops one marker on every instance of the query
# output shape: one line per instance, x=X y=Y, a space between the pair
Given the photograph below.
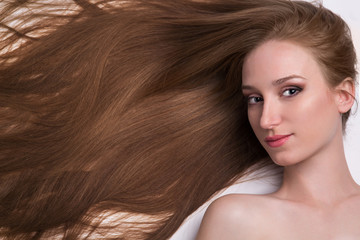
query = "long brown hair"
x=132 y=110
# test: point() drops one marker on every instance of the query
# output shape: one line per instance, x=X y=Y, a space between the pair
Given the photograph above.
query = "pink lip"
x=277 y=140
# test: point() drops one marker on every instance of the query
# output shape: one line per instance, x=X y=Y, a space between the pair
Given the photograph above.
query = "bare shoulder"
x=236 y=216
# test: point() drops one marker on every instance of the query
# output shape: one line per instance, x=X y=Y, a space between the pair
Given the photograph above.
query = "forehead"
x=277 y=59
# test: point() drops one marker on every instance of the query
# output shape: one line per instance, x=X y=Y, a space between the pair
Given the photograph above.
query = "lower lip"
x=279 y=142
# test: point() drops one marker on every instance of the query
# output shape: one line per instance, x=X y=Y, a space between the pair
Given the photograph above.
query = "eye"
x=289 y=92
x=254 y=100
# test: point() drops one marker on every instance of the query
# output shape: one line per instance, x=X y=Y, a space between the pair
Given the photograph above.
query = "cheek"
x=315 y=115
x=254 y=116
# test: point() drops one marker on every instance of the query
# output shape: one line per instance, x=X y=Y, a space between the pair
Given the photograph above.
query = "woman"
x=298 y=92
x=119 y=119
x=296 y=115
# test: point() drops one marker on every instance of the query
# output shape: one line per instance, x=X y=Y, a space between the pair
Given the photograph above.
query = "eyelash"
x=296 y=90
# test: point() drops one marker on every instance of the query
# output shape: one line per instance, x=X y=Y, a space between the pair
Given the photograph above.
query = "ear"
x=345 y=95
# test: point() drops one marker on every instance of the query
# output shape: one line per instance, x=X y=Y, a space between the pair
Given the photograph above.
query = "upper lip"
x=275 y=137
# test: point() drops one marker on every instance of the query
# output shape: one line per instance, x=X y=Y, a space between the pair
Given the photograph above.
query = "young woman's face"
x=291 y=109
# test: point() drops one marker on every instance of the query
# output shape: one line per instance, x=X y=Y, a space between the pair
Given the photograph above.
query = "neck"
x=322 y=180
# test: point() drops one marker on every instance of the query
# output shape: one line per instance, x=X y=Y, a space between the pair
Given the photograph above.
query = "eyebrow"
x=278 y=81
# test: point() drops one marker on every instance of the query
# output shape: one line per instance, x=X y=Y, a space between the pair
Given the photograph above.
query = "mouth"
x=277 y=140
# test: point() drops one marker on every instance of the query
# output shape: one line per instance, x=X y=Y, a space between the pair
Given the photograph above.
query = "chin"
x=283 y=159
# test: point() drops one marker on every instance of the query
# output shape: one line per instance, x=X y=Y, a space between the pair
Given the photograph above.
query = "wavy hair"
x=118 y=119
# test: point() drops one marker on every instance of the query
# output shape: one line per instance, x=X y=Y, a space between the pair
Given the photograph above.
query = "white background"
x=348 y=10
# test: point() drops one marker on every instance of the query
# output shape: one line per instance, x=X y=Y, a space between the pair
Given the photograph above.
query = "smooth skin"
x=288 y=93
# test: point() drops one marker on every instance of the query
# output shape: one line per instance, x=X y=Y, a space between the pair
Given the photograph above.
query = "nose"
x=271 y=116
